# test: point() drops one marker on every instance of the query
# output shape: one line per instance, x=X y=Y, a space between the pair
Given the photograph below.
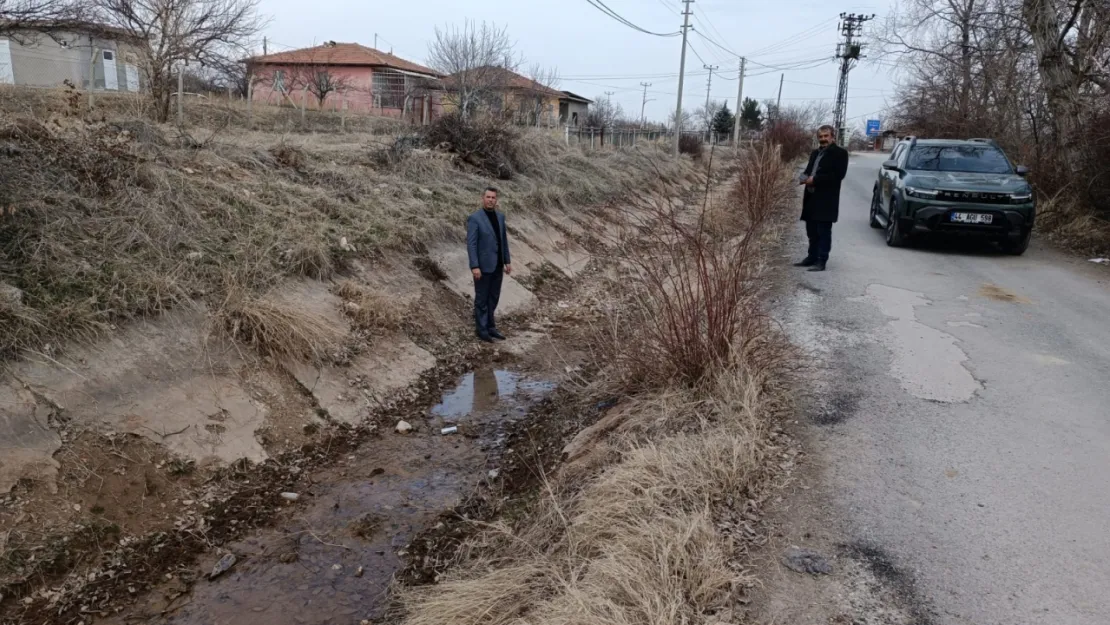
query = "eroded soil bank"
x=167 y=453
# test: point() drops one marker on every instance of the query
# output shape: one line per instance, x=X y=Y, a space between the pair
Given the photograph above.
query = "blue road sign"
x=874 y=127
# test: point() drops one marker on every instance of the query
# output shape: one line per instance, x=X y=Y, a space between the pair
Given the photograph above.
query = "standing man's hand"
x=508 y=270
x=809 y=181
x=477 y=273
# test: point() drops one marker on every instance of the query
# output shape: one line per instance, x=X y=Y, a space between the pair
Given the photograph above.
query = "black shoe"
x=808 y=262
x=485 y=338
x=496 y=335
x=818 y=267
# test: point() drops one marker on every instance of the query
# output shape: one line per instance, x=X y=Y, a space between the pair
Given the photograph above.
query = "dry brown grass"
x=276 y=328
x=637 y=543
x=115 y=218
x=1074 y=226
x=370 y=312
x=641 y=538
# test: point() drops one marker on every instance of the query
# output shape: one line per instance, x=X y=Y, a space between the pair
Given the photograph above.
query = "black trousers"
x=820 y=240
x=487 y=292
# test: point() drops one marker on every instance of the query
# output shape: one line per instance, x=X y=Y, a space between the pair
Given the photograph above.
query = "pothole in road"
x=927 y=362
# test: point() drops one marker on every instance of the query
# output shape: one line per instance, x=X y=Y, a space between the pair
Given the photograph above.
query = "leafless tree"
x=473 y=60
x=543 y=81
x=26 y=19
x=686 y=123
x=604 y=114
x=205 y=32
x=321 y=79
x=704 y=115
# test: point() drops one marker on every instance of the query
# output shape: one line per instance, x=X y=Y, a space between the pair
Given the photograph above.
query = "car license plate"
x=972 y=218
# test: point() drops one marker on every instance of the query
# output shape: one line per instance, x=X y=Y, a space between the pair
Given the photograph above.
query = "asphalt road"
x=964 y=426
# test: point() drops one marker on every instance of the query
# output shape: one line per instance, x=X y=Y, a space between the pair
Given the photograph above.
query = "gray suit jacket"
x=481 y=242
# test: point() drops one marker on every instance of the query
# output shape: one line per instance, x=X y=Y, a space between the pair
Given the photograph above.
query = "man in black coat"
x=827 y=166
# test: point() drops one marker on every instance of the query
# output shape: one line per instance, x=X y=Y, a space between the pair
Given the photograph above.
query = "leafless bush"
x=793 y=140
x=691 y=145
x=490 y=144
x=690 y=290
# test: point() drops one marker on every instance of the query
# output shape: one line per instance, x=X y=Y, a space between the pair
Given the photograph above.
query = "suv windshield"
x=979 y=159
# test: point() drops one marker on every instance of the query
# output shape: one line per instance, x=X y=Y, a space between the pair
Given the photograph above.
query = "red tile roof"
x=341 y=54
x=507 y=79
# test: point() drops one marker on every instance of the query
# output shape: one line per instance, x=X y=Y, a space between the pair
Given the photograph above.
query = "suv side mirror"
x=892 y=165
x=1022 y=171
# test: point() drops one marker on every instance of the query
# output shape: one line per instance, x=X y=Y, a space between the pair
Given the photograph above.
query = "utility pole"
x=265 y=46
x=708 y=87
x=709 y=83
x=681 y=74
x=778 y=101
x=375 y=41
x=643 y=107
x=739 y=106
x=848 y=51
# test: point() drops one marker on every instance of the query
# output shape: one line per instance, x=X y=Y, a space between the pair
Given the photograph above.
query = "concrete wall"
x=568 y=109
x=48 y=61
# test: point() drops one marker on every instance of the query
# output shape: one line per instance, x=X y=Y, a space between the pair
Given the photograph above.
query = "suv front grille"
x=974 y=196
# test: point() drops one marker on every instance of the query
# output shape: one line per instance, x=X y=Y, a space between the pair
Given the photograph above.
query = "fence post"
x=181 y=95
x=343 y=114
x=250 y=101
x=92 y=75
x=591 y=138
x=566 y=134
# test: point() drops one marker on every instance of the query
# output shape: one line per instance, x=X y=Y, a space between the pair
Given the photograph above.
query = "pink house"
x=337 y=76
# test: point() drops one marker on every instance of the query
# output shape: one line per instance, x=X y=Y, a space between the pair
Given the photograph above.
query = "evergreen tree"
x=751 y=117
x=723 y=121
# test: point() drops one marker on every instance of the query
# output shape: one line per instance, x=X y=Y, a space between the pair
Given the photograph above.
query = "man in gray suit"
x=487 y=245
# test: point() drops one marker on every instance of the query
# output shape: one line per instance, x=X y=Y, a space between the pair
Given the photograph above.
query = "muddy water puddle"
x=331 y=559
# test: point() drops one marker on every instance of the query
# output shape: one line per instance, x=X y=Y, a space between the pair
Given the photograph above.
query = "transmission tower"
x=849 y=52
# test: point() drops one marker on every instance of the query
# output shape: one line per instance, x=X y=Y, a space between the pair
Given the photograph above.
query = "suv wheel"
x=1018 y=247
x=875 y=209
x=894 y=235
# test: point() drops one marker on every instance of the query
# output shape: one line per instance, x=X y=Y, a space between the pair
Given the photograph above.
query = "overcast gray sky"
x=595 y=54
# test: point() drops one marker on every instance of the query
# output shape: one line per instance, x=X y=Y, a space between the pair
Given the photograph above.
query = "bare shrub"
x=793 y=140
x=487 y=143
x=690 y=294
x=288 y=155
x=691 y=145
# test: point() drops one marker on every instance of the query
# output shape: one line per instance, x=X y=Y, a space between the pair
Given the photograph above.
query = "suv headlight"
x=927 y=194
x=1021 y=198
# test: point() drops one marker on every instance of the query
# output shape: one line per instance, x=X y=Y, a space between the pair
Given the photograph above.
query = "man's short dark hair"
x=832 y=131
x=494 y=189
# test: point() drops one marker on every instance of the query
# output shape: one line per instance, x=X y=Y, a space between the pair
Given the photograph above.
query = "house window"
x=279 y=80
x=389 y=89
x=574 y=119
x=108 y=56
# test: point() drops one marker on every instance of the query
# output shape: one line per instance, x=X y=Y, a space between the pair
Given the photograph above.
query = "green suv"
x=953 y=186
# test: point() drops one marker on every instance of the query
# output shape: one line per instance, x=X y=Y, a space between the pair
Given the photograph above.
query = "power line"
x=601 y=6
